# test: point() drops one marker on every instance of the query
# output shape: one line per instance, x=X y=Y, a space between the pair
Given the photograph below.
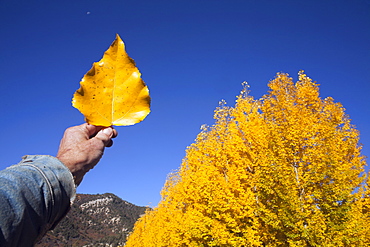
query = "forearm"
x=34 y=196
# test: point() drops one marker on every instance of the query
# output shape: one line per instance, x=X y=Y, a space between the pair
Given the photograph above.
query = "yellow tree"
x=284 y=170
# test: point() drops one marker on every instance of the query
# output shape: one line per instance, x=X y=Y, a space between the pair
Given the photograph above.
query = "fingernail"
x=108 y=131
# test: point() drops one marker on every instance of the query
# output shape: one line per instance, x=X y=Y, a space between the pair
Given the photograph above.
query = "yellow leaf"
x=112 y=91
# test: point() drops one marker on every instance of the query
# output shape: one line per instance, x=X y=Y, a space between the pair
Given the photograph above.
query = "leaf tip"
x=118 y=38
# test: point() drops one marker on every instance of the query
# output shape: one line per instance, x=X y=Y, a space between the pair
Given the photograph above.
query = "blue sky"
x=191 y=54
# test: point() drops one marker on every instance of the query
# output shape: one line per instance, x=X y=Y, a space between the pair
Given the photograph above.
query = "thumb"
x=105 y=136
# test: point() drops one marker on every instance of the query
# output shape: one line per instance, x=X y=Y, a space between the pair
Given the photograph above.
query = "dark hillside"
x=94 y=220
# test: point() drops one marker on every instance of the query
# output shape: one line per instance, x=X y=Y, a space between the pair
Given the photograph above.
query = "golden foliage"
x=284 y=170
x=112 y=91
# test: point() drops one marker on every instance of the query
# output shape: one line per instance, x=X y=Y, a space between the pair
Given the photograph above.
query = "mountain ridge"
x=95 y=220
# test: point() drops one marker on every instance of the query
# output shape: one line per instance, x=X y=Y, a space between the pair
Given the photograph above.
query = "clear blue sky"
x=191 y=53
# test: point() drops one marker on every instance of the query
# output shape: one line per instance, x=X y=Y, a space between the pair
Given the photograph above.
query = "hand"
x=82 y=147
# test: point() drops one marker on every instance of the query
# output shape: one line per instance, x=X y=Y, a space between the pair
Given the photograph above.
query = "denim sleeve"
x=34 y=196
